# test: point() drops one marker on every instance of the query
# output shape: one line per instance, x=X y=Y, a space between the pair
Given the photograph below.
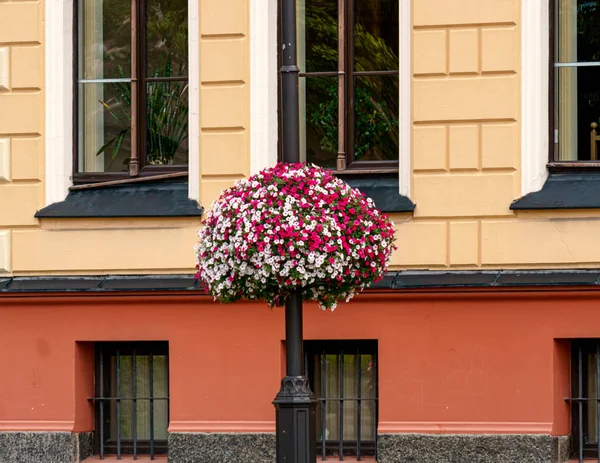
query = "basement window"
x=343 y=376
x=131 y=398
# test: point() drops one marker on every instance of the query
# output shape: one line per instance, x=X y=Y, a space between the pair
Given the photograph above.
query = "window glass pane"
x=376 y=35
x=161 y=389
x=578 y=107
x=578 y=23
x=167 y=123
x=368 y=390
x=332 y=415
x=592 y=406
x=104 y=39
x=317 y=31
x=142 y=378
x=350 y=391
x=319 y=120
x=105 y=127
x=376 y=118
x=126 y=391
x=143 y=390
x=167 y=38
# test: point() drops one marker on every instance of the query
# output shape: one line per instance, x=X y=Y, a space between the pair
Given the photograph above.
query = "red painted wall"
x=485 y=361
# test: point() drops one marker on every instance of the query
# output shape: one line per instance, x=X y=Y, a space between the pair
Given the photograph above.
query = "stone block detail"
x=5 y=256
x=85 y=445
x=457 y=12
x=230 y=448
x=464 y=194
x=499 y=50
x=453 y=99
x=464 y=242
x=4 y=68
x=21 y=112
x=429 y=148
x=429 y=55
x=21 y=22
x=216 y=17
x=414 y=232
x=231 y=69
x=5 y=160
x=436 y=448
x=464 y=147
x=229 y=105
x=26 y=158
x=232 y=159
x=535 y=242
x=26 y=68
x=47 y=447
x=464 y=51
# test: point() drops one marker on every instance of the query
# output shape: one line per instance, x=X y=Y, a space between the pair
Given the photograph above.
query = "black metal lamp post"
x=295 y=404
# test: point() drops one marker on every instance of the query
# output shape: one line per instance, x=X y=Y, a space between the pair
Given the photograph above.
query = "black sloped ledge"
x=139 y=200
x=383 y=189
x=422 y=279
x=563 y=191
x=393 y=281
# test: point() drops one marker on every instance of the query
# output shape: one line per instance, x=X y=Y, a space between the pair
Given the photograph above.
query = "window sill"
x=383 y=188
x=163 y=458
x=169 y=199
x=568 y=190
x=348 y=459
x=142 y=458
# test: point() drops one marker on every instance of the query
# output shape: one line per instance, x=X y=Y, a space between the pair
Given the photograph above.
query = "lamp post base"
x=295 y=406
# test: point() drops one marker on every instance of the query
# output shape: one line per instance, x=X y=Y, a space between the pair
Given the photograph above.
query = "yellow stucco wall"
x=465 y=151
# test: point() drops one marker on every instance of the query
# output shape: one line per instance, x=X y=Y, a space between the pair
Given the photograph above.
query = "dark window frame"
x=345 y=162
x=340 y=447
x=580 y=349
x=555 y=165
x=103 y=446
x=139 y=166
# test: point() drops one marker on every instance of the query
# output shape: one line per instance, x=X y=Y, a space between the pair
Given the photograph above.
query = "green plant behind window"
x=166 y=116
x=376 y=118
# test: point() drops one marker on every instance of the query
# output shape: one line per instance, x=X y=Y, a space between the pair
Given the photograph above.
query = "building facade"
x=472 y=123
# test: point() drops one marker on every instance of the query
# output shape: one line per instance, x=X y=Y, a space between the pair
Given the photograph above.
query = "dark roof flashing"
x=395 y=281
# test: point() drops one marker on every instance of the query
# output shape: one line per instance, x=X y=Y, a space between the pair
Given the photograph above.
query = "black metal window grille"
x=586 y=391
x=343 y=376
x=131 y=398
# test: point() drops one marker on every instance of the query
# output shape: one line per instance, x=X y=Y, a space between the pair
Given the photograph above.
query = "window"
x=132 y=398
x=343 y=376
x=349 y=83
x=131 y=88
x=576 y=75
x=586 y=390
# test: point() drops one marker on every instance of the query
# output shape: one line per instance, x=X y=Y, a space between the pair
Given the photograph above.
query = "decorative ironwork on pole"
x=295 y=403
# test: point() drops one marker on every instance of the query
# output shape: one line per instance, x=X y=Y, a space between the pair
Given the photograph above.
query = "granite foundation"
x=65 y=447
x=444 y=448
x=45 y=447
x=221 y=448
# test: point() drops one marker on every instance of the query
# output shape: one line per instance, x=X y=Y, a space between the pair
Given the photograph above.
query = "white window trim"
x=535 y=39
x=263 y=84
x=404 y=107
x=59 y=100
x=263 y=89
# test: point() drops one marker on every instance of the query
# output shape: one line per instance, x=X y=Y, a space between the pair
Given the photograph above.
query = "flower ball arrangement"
x=291 y=226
